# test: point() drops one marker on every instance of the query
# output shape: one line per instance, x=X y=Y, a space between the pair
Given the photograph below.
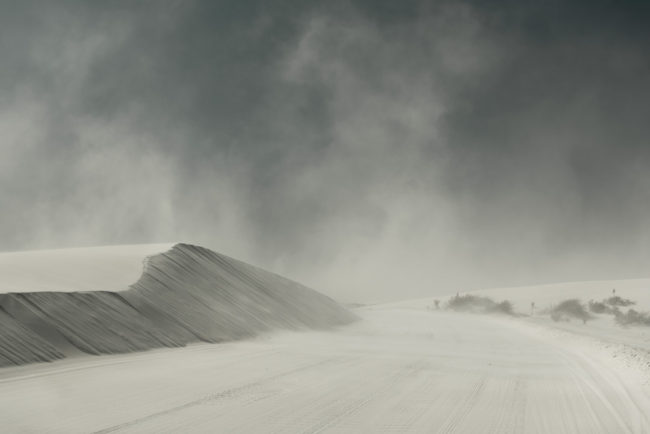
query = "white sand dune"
x=403 y=368
x=184 y=294
x=602 y=327
x=546 y=296
x=631 y=341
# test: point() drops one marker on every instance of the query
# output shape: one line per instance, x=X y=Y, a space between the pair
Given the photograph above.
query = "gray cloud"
x=373 y=149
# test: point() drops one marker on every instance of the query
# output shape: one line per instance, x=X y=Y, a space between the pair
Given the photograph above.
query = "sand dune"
x=545 y=296
x=404 y=368
x=186 y=294
x=623 y=341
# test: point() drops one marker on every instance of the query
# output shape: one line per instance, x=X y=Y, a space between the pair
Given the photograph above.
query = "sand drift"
x=186 y=294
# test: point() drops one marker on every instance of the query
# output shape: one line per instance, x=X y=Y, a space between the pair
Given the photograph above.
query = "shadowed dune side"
x=187 y=294
x=19 y=345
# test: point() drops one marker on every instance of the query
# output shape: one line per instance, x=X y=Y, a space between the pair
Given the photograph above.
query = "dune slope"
x=186 y=294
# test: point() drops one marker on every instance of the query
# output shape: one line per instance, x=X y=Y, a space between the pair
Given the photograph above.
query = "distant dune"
x=183 y=295
x=546 y=296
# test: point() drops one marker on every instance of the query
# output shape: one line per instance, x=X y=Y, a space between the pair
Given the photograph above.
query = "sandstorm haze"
x=374 y=150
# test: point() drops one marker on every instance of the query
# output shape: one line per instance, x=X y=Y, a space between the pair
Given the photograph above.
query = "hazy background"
x=372 y=149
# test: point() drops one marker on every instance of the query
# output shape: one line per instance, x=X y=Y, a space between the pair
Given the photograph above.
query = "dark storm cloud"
x=376 y=149
x=557 y=131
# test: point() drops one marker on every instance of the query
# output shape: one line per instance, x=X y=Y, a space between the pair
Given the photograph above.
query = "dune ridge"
x=186 y=294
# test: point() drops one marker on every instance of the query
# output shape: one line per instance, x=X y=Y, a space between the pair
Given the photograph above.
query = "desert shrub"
x=473 y=303
x=556 y=316
x=632 y=317
x=503 y=307
x=598 y=307
x=469 y=303
x=570 y=309
x=618 y=301
x=602 y=307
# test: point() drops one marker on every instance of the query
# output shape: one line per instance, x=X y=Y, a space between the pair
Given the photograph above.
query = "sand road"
x=396 y=371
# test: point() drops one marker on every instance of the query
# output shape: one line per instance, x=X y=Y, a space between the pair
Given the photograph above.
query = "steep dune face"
x=19 y=345
x=187 y=294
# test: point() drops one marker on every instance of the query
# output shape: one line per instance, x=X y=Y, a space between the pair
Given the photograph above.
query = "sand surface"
x=398 y=370
x=403 y=368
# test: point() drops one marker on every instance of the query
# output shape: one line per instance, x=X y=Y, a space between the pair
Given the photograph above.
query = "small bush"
x=556 y=316
x=598 y=307
x=473 y=303
x=618 y=301
x=503 y=307
x=570 y=309
x=602 y=307
x=466 y=303
x=632 y=317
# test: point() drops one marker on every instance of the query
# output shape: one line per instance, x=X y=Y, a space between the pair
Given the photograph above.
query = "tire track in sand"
x=225 y=394
x=357 y=404
x=462 y=410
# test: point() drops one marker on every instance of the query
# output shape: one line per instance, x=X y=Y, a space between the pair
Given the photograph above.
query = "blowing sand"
x=403 y=367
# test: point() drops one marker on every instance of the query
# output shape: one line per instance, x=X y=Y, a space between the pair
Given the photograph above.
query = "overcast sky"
x=372 y=149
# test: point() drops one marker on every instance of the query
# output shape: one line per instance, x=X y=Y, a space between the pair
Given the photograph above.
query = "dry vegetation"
x=476 y=304
x=575 y=309
x=570 y=309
